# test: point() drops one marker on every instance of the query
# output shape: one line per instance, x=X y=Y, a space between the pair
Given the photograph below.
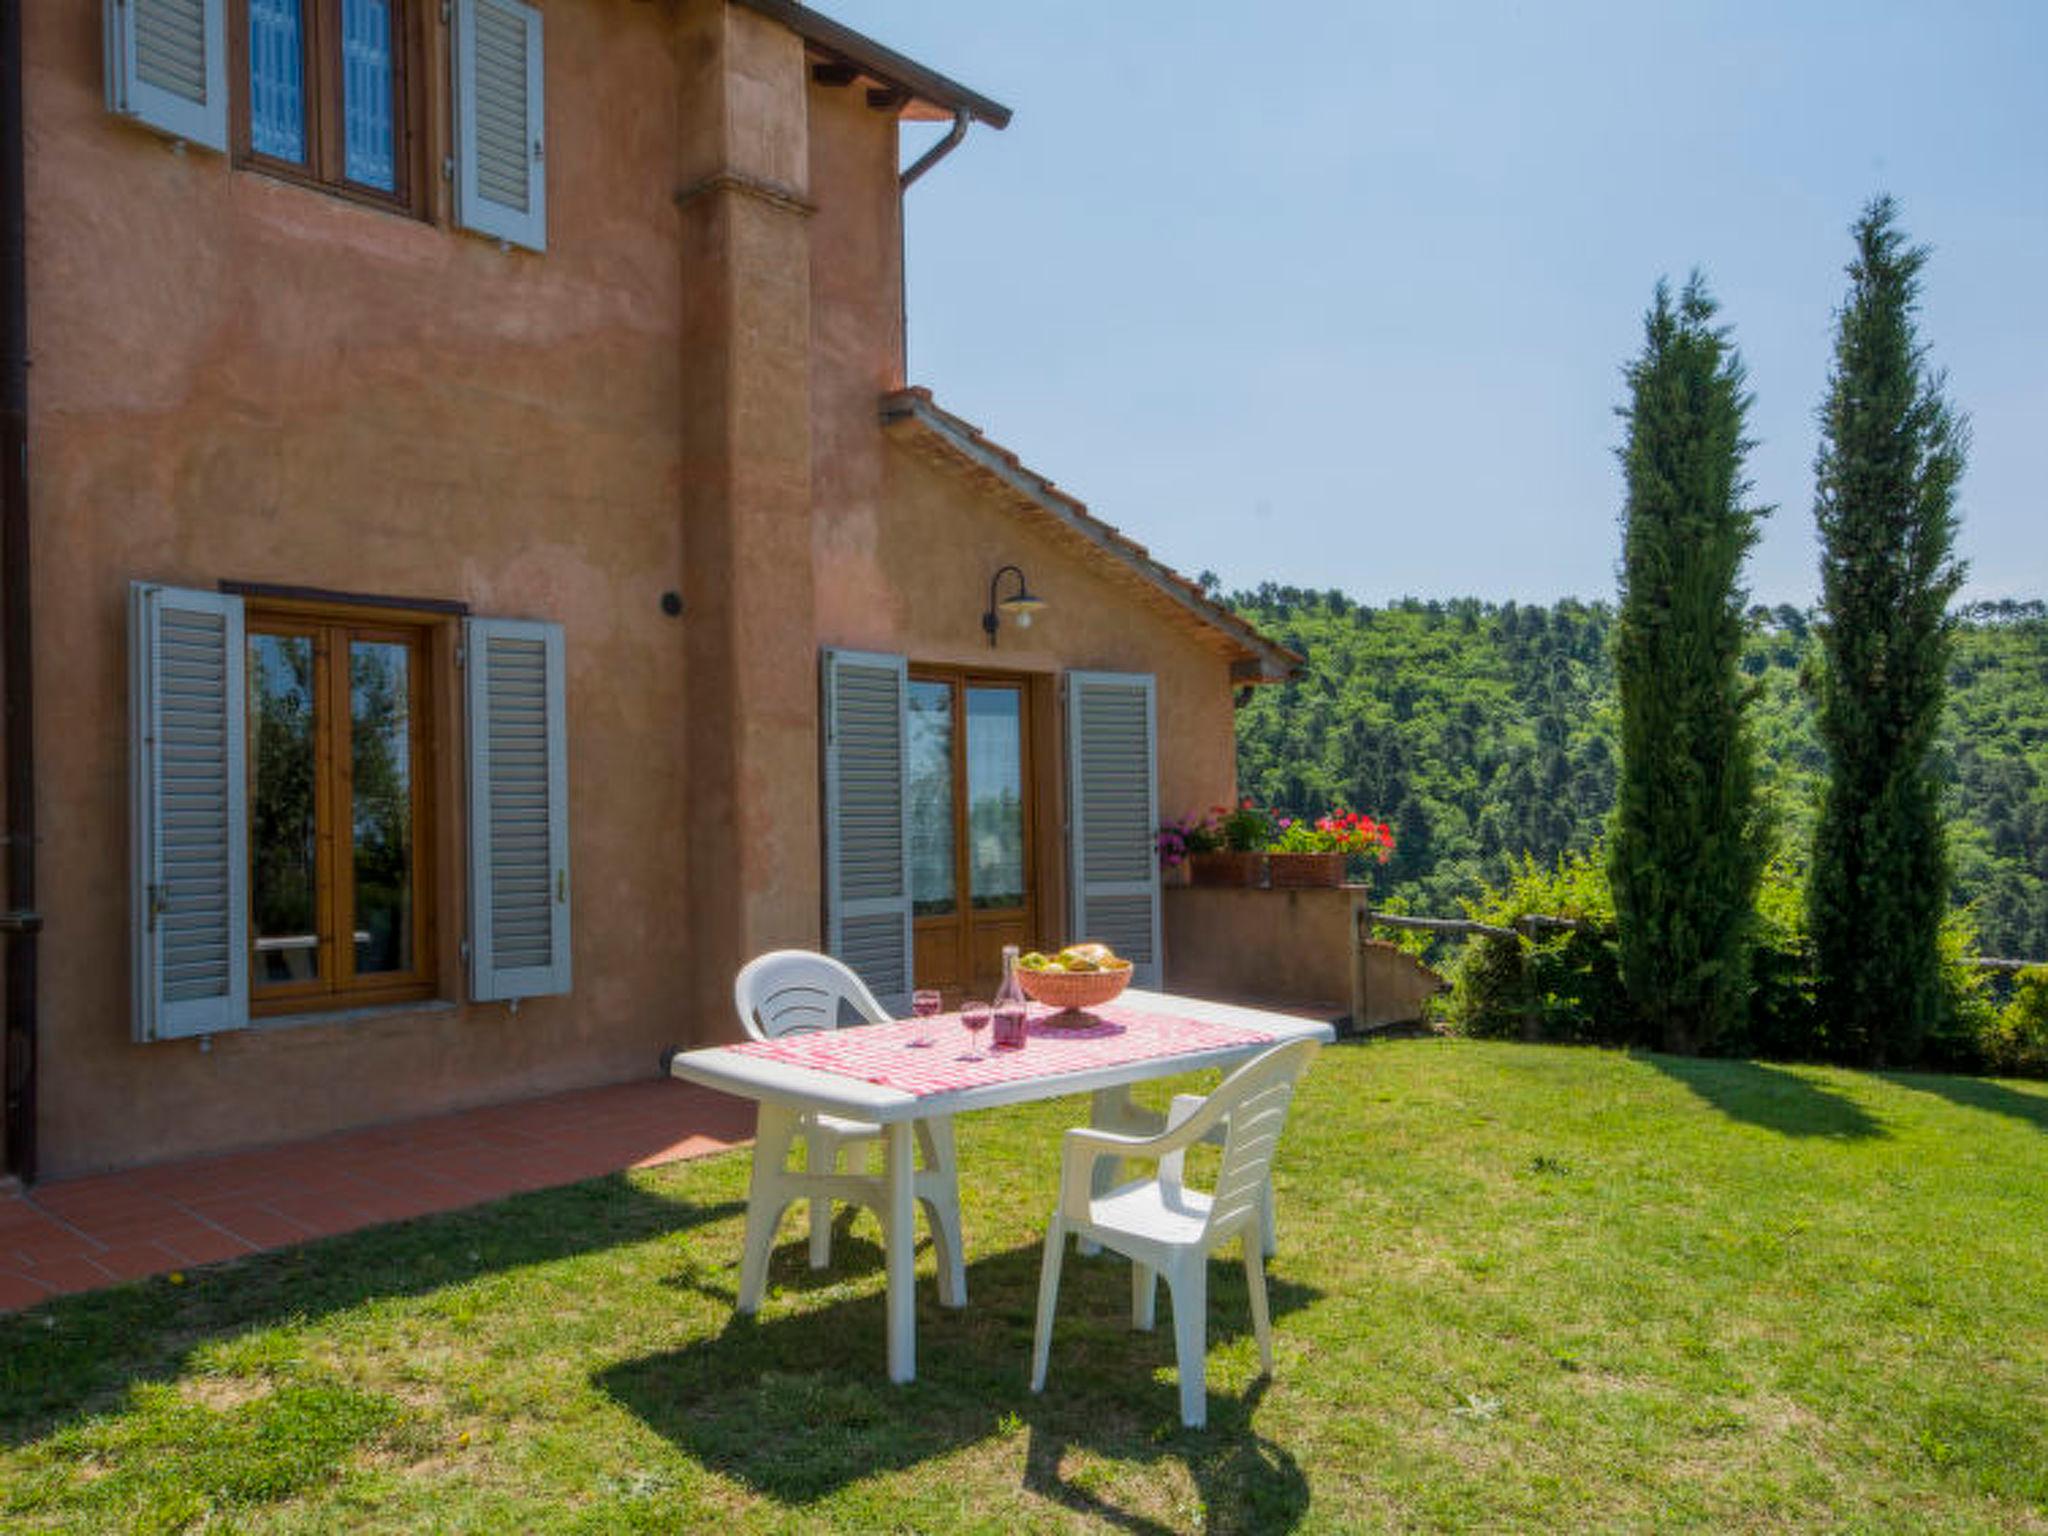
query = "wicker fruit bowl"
x=1075 y=989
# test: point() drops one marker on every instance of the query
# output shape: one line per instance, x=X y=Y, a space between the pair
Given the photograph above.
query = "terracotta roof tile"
x=1258 y=658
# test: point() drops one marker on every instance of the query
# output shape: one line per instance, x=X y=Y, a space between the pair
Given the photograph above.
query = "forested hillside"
x=1484 y=731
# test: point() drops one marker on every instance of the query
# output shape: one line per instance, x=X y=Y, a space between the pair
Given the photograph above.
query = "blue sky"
x=1340 y=295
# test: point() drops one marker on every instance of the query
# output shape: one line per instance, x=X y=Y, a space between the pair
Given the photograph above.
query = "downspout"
x=19 y=920
x=937 y=152
x=910 y=173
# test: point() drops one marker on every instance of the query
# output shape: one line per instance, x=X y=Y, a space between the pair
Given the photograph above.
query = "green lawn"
x=1518 y=1287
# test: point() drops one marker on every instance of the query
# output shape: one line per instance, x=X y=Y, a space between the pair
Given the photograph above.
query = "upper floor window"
x=334 y=94
x=324 y=92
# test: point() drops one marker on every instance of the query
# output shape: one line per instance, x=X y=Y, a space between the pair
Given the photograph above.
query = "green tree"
x=1686 y=851
x=1417 y=711
x=1891 y=454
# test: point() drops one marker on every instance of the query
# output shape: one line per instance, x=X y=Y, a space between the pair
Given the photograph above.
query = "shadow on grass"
x=1978 y=1093
x=798 y=1406
x=79 y=1355
x=1775 y=1098
x=1246 y=1483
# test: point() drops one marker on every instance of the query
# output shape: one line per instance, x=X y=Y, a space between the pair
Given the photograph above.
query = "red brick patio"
x=80 y=1234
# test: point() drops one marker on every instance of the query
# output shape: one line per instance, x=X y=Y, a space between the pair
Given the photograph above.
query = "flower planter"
x=1227 y=868
x=1304 y=871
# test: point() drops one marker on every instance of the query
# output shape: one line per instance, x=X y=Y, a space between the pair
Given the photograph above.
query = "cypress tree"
x=1685 y=852
x=1891 y=454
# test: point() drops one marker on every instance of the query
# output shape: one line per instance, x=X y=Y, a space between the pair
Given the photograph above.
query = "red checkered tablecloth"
x=936 y=1055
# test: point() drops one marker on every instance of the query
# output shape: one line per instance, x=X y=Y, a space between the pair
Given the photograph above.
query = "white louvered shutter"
x=501 y=186
x=166 y=66
x=518 y=810
x=1113 y=816
x=189 y=813
x=867 y=821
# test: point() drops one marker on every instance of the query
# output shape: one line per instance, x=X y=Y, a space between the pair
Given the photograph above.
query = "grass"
x=1519 y=1287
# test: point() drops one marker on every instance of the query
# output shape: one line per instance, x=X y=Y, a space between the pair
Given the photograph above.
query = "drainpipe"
x=937 y=152
x=19 y=921
x=917 y=168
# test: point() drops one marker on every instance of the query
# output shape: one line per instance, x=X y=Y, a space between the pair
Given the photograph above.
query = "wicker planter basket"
x=1075 y=989
x=1227 y=868
x=1304 y=871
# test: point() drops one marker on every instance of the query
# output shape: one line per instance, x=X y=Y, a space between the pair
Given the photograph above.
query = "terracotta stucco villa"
x=490 y=578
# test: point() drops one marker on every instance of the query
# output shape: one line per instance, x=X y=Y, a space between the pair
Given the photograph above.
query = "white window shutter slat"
x=1113 y=816
x=518 y=810
x=501 y=184
x=188 y=812
x=867 y=820
x=166 y=66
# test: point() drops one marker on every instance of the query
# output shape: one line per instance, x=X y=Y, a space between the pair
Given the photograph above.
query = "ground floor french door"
x=972 y=821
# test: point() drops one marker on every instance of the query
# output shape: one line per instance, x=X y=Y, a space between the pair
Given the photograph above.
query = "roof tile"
x=966 y=442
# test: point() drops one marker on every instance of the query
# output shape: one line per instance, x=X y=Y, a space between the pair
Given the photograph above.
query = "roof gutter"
x=938 y=152
x=870 y=58
x=18 y=918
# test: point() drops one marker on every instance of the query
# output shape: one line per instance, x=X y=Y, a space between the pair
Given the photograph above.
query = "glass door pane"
x=283 y=829
x=932 y=892
x=380 y=734
x=995 y=796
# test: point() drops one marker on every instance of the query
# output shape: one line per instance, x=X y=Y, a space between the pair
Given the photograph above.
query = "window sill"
x=286 y=174
x=361 y=1014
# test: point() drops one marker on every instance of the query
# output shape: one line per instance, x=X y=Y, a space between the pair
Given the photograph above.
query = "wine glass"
x=974 y=1017
x=925 y=1002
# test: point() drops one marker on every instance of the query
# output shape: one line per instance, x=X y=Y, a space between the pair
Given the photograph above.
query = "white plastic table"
x=786 y=1092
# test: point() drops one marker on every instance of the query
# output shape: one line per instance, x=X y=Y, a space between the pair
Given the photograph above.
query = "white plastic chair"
x=797 y=991
x=1112 y=1109
x=1163 y=1227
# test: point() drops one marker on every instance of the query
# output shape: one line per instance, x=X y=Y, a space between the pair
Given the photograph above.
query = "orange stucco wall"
x=1298 y=948
x=239 y=379
x=904 y=550
x=751 y=743
x=910 y=574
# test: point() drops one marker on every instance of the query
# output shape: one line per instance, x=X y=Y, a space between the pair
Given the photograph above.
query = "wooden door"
x=972 y=823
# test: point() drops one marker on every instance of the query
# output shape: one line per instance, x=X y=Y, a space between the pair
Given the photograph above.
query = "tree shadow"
x=1978 y=1093
x=798 y=1406
x=75 y=1356
x=1758 y=1093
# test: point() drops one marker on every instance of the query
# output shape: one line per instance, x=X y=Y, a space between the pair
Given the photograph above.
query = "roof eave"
x=1258 y=659
x=871 y=58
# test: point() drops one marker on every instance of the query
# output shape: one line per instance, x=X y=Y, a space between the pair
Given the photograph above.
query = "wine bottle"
x=1012 y=1007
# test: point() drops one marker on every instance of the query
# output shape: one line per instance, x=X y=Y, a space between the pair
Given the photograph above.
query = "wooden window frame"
x=332 y=628
x=1033 y=908
x=326 y=128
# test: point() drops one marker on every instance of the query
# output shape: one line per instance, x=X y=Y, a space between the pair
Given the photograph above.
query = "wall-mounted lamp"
x=1019 y=605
